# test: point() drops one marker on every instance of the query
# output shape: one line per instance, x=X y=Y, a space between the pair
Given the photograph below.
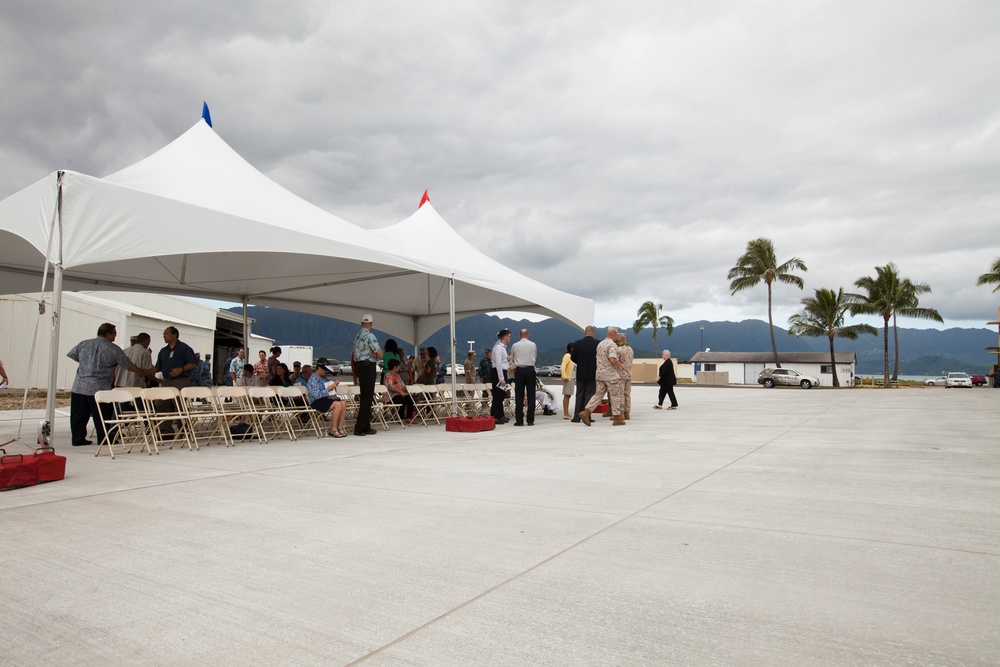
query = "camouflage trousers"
x=627 y=396
x=616 y=395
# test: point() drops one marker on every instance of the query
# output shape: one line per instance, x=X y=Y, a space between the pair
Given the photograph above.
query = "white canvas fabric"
x=196 y=219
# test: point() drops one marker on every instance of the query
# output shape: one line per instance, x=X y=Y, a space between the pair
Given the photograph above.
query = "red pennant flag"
x=423 y=200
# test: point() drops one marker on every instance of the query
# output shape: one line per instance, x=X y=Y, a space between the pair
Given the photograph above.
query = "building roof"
x=768 y=357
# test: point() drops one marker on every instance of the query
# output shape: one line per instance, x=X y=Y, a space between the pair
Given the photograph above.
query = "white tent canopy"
x=196 y=219
x=482 y=284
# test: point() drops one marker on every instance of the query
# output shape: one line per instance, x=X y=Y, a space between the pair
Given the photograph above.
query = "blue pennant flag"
x=204 y=114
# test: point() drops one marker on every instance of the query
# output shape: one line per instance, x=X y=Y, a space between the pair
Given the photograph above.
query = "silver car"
x=770 y=377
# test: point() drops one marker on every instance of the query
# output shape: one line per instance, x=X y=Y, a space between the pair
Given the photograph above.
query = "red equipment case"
x=469 y=424
x=51 y=466
x=16 y=472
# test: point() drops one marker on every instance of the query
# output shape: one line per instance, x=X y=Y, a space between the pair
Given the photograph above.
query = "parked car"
x=459 y=370
x=770 y=377
x=957 y=380
x=936 y=382
x=978 y=380
x=550 y=371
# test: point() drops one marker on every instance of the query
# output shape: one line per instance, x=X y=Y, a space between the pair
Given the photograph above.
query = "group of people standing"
x=99 y=357
x=605 y=368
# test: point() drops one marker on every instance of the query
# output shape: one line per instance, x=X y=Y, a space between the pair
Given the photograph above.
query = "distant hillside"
x=924 y=351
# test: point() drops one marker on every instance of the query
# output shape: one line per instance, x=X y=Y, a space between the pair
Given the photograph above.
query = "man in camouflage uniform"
x=626 y=355
x=609 y=379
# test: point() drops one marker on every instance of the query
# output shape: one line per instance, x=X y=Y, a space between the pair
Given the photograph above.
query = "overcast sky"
x=622 y=151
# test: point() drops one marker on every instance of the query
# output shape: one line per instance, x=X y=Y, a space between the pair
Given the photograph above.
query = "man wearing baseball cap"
x=366 y=352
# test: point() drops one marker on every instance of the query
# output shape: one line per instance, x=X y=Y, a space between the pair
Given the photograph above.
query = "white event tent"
x=196 y=219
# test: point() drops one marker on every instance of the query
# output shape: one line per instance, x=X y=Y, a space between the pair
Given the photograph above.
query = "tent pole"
x=454 y=371
x=50 y=397
x=46 y=430
x=246 y=333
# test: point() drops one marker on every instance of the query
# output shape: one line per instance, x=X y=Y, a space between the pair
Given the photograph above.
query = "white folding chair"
x=168 y=423
x=124 y=425
x=301 y=416
x=271 y=414
x=241 y=418
x=385 y=410
x=206 y=421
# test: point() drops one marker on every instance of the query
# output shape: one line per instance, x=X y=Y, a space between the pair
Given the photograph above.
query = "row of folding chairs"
x=192 y=417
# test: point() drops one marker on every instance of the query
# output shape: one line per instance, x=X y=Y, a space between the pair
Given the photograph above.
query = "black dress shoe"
x=359 y=433
x=83 y=444
x=371 y=431
x=518 y=423
x=531 y=423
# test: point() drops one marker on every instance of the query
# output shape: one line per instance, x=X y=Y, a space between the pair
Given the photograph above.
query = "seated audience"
x=397 y=390
x=321 y=400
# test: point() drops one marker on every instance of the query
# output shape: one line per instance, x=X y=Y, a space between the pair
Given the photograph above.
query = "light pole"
x=702 y=346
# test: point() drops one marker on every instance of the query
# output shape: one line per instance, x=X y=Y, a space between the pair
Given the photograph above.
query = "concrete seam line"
x=546 y=561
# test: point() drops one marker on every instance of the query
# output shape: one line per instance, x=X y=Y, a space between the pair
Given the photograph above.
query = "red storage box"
x=51 y=466
x=602 y=408
x=16 y=472
x=469 y=424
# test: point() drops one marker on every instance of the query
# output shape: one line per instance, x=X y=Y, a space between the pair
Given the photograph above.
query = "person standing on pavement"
x=584 y=355
x=176 y=360
x=567 y=372
x=626 y=355
x=236 y=365
x=141 y=356
x=523 y=354
x=366 y=352
x=609 y=379
x=98 y=358
x=498 y=376
x=667 y=380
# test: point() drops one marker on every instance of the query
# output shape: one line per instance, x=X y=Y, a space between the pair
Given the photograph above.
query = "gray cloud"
x=621 y=152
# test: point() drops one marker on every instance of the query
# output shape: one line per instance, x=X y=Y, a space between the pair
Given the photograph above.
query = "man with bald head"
x=609 y=380
x=523 y=355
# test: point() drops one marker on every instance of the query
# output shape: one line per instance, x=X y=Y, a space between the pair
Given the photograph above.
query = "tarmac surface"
x=749 y=527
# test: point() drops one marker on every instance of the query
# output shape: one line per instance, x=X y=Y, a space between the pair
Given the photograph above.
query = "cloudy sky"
x=622 y=151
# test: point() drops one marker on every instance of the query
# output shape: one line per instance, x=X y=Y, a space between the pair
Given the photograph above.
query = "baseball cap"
x=325 y=368
x=366 y=318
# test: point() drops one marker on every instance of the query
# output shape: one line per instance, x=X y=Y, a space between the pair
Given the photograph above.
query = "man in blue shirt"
x=366 y=352
x=98 y=358
x=175 y=361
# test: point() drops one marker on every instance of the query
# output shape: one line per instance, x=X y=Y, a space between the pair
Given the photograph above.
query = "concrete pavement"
x=749 y=527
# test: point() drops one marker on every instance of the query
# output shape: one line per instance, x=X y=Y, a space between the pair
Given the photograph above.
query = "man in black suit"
x=584 y=355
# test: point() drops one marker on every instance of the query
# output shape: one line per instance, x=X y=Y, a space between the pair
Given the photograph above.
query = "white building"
x=25 y=334
x=744 y=367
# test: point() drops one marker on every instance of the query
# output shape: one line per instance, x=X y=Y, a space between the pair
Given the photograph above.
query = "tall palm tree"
x=886 y=294
x=823 y=315
x=649 y=315
x=759 y=264
x=909 y=306
x=992 y=277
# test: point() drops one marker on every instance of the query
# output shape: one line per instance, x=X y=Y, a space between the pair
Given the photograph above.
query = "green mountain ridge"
x=923 y=351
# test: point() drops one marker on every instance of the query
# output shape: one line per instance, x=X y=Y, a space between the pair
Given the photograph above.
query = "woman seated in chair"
x=322 y=401
x=397 y=390
x=282 y=378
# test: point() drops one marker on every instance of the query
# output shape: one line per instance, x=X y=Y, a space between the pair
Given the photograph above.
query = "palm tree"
x=758 y=264
x=909 y=306
x=991 y=278
x=649 y=315
x=823 y=315
x=886 y=294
